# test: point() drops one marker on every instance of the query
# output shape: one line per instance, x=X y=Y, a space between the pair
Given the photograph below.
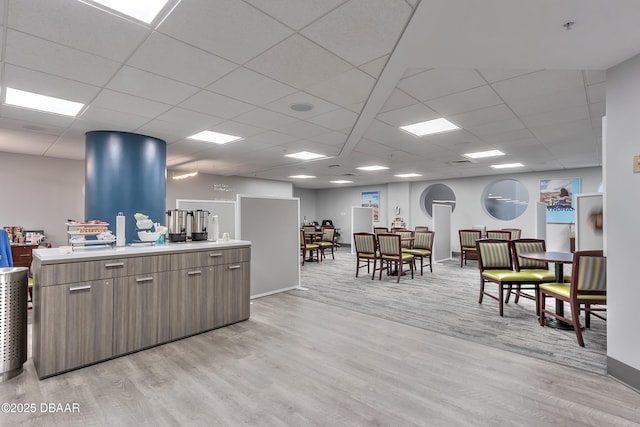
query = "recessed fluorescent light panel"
x=507 y=166
x=214 y=137
x=373 y=168
x=483 y=154
x=305 y=155
x=185 y=175
x=145 y=11
x=302 y=176
x=430 y=127
x=341 y=181
x=408 y=175
x=35 y=101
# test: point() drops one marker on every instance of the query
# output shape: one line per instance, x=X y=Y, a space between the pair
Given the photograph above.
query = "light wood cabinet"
x=133 y=302
x=76 y=326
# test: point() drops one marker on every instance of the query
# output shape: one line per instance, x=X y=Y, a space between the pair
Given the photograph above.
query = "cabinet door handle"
x=215 y=255
x=233 y=267
x=24 y=255
x=79 y=288
x=145 y=279
x=114 y=264
x=193 y=273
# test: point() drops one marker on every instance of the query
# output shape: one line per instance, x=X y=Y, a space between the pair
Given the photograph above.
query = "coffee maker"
x=177 y=222
x=199 y=222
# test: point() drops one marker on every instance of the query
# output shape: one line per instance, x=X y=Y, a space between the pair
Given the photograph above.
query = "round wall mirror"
x=437 y=193
x=505 y=199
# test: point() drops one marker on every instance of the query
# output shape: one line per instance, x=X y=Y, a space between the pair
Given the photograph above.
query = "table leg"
x=552 y=321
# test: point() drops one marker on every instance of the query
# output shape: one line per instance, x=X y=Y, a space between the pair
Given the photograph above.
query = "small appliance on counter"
x=177 y=223
x=199 y=222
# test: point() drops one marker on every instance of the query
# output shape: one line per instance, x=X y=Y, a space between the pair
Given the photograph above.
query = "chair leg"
x=399 y=271
x=587 y=316
x=430 y=263
x=541 y=307
x=501 y=298
x=375 y=261
x=575 y=316
x=357 y=265
x=461 y=256
x=481 y=291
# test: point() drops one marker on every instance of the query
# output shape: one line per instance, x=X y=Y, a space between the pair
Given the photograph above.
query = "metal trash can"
x=14 y=283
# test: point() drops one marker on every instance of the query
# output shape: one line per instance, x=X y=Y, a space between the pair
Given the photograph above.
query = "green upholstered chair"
x=309 y=230
x=366 y=251
x=496 y=265
x=515 y=233
x=405 y=238
x=392 y=255
x=468 y=240
x=378 y=230
x=327 y=241
x=422 y=248
x=307 y=246
x=539 y=269
x=587 y=291
x=499 y=234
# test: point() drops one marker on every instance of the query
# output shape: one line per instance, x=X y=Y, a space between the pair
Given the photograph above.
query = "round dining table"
x=559 y=259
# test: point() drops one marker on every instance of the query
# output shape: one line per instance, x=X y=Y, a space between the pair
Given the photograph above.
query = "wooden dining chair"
x=422 y=248
x=468 y=240
x=327 y=241
x=499 y=234
x=405 y=238
x=307 y=246
x=421 y=228
x=366 y=250
x=392 y=255
x=515 y=233
x=538 y=269
x=587 y=291
x=378 y=230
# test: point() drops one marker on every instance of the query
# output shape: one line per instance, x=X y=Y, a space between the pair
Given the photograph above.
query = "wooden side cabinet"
x=22 y=254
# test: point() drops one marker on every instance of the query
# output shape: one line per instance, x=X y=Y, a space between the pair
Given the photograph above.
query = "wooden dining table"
x=559 y=259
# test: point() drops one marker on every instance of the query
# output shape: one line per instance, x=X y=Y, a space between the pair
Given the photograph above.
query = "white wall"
x=41 y=193
x=621 y=211
x=336 y=203
x=307 y=204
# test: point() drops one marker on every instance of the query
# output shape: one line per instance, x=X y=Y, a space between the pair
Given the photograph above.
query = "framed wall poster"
x=560 y=197
x=371 y=199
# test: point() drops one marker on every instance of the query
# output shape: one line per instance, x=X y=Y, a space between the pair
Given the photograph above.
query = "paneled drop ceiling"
x=506 y=71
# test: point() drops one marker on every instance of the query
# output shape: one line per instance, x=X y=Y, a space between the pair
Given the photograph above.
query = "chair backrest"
x=327 y=222
x=378 y=230
x=423 y=240
x=468 y=238
x=328 y=234
x=589 y=275
x=515 y=232
x=365 y=242
x=303 y=239
x=494 y=254
x=421 y=228
x=523 y=246
x=309 y=228
x=389 y=244
x=499 y=234
x=404 y=234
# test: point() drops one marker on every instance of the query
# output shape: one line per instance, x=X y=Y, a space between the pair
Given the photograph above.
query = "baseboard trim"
x=624 y=373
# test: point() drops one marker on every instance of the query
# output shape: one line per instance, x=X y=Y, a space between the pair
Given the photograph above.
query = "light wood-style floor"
x=298 y=362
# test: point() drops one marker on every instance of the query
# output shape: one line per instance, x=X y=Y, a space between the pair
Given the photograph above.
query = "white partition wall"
x=272 y=225
x=361 y=222
x=226 y=211
x=442 y=232
x=541 y=221
x=589 y=222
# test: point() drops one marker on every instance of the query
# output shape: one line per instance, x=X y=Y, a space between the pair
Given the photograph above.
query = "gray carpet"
x=446 y=301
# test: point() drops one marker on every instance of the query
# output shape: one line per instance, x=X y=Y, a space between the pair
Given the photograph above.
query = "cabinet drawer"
x=54 y=274
x=148 y=264
x=210 y=257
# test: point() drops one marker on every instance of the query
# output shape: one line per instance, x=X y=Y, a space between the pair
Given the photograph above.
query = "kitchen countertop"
x=54 y=255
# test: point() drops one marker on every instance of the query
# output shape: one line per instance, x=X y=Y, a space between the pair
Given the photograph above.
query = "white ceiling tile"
x=25 y=142
x=41 y=55
x=440 y=82
x=295 y=14
x=563 y=132
x=479 y=117
x=345 y=89
x=375 y=67
x=68 y=149
x=264 y=118
x=336 y=119
x=299 y=63
x=239 y=129
x=469 y=100
x=274 y=138
x=408 y=115
x=537 y=103
x=398 y=99
x=216 y=105
x=249 y=86
x=77 y=25
x=301 y=129
x=231 y=29
x=189 y=119
x=123 y=102
x=101 y=118
x=33 y=116
x=168 y=131
x=361 y=30
x=595 y=76
x=596 y=92
x=150 y=86
x=556 y=116
x=330 y=138
x=35 y=127
x=179 y=61
x=47 y=84
x=380 y=131
x=538 y=83
x=498 y=74
x=514 y=137
x=482 y=131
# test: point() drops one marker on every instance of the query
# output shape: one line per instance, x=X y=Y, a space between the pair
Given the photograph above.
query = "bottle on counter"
x=120 y=230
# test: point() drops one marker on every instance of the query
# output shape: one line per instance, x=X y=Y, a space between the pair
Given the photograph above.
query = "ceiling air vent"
x=459 y=162
x=348 y=174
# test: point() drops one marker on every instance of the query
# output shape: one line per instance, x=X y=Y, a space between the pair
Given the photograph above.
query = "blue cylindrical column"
x=124 y=172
